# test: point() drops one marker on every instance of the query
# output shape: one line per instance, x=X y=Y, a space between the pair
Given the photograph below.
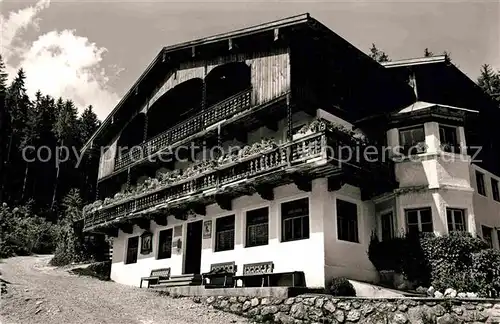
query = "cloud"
x=58 y=63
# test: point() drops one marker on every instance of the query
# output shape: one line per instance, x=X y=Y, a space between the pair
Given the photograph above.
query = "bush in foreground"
x=72 y=244
x=23 y=233
x=457 y=260
x=99 y=270
x=342 y=287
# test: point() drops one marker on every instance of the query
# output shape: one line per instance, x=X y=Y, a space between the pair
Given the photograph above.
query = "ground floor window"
x=257 y=227
x=487 y=235
x=347 y=221
x=224 y=233
x=165 y=244
x=387 y=225
x=132 y=250
x=455 y=219
x=419 y=220
x=295 y=220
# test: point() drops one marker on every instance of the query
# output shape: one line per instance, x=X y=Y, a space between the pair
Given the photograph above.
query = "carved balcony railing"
x=297 y=152
x=220 y=111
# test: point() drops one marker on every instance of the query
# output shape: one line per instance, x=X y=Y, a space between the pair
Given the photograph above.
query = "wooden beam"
x=111 y=231
x=199 y=209
x=366 y=193
x=224 y=202
x=179 y=214
x=303 y=183
x=270 y=123
x=241 y=136
x=160 y=220
x=143 y=223
x=265 y=192
x=335 y=183
x=127 y=228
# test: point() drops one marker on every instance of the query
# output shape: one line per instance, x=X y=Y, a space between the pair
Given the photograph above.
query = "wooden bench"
x=220 y=275
x=156 y=275
x=262 y=273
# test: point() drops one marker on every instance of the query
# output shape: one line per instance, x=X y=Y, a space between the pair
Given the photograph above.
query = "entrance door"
x=192 y=261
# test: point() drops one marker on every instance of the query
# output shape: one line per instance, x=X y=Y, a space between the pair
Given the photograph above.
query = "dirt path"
x=41 y=294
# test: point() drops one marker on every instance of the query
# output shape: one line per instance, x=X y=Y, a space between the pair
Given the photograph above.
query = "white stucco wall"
x=442 y=180
x=303 y=255
x=321 y=257
x=486 y=208
x=344 y=258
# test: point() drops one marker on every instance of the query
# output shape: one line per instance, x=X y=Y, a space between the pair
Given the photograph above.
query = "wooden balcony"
x=299 y=161
x=210 y=116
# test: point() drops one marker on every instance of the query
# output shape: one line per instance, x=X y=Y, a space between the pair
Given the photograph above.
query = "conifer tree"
x=489 y=81
x=378 y=55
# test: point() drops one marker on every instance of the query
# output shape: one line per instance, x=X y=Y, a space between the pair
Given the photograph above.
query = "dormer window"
x=449 y=139
x=412 y=140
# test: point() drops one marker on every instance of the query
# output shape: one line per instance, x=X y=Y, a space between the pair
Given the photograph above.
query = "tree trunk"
x=57 y=180
x=5 y=167
x=26 y=171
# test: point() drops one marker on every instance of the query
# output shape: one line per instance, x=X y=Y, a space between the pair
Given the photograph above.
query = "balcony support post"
x=289 y=113
x=128 y=178
x=145 y=136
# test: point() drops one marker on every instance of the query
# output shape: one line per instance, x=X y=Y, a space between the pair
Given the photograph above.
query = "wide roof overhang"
x=147 y=81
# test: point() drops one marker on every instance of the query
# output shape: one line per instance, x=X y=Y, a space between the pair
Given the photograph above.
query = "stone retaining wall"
x=327 y=309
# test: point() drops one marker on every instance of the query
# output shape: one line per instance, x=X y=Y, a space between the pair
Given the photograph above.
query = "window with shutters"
x=347 y=221
x=295 y=220
x=257 y=223
x=165 y=244
x=132 y=250
x=224 y=233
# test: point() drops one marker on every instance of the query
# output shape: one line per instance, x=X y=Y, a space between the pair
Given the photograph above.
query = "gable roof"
x=160 y=57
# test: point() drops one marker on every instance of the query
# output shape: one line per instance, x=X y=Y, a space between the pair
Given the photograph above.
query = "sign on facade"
x=207 y=229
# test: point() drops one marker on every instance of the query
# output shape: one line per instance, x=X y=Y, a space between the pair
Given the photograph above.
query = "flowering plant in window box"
x=197 y=169
x=421 y=147
x=320 y=124
x=260 y=147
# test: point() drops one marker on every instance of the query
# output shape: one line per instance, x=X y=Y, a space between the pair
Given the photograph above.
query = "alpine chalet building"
x=239 y=151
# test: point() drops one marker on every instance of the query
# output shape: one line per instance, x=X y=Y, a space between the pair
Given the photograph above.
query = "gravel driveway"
x=38 y=293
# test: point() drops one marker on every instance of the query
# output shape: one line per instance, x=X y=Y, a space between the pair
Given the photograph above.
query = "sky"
x=93 y=51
